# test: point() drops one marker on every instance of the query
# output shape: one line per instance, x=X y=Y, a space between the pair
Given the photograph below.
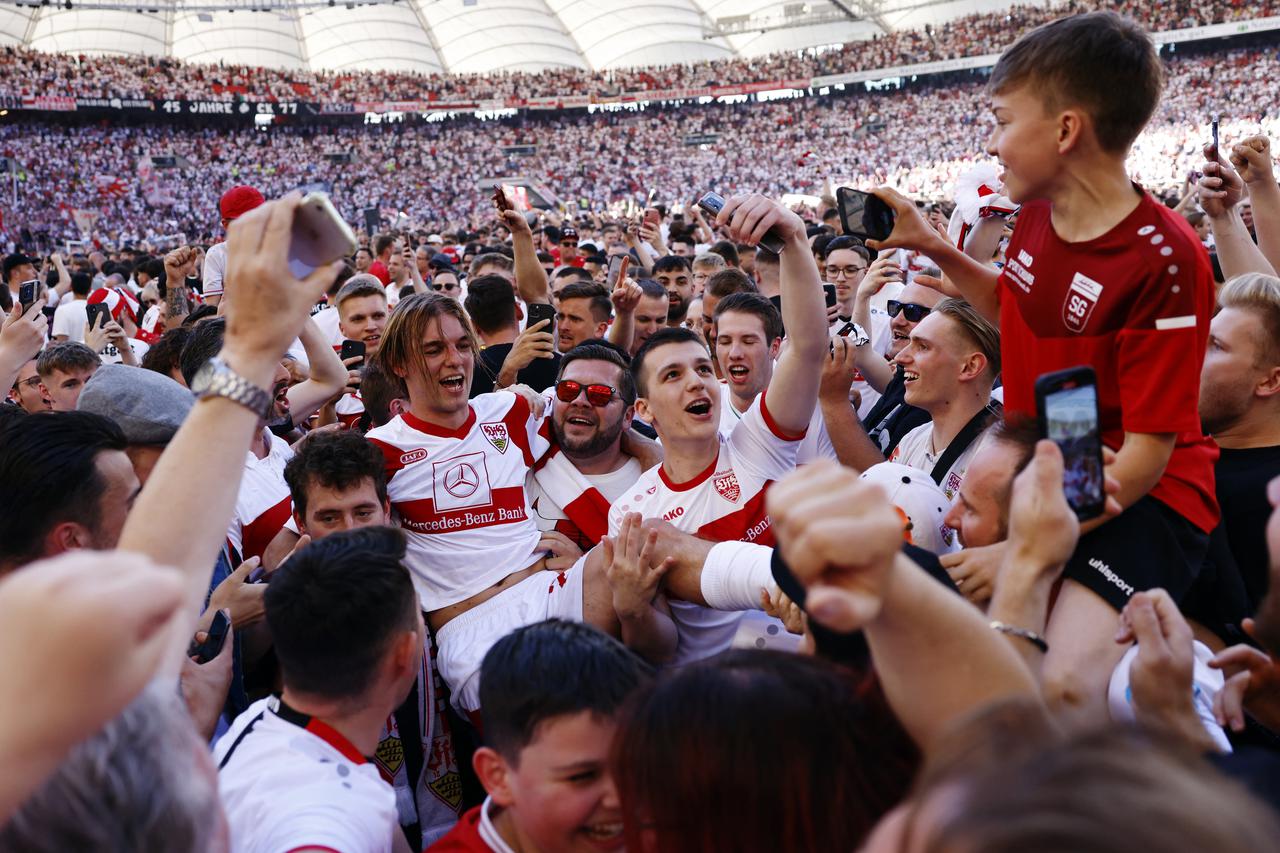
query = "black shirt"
x=1242 y=477
x=539 y=375
x=891 y=418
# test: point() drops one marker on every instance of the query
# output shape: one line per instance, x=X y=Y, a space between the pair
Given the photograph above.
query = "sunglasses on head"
x=597 y=395
x=914 y=312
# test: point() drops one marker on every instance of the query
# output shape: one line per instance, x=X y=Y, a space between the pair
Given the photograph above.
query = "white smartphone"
x=320 y=236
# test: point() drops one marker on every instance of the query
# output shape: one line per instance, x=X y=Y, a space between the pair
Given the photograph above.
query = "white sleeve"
x=759 y=446
x=215 y=264
x=349 y=830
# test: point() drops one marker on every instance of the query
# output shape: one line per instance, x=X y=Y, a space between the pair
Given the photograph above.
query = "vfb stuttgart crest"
x=727 y=485
x=497 y=435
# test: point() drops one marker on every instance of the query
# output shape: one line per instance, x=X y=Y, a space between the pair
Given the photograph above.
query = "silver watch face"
x=202 y=382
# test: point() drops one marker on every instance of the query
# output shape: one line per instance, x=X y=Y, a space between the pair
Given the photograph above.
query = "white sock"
x=734 y=573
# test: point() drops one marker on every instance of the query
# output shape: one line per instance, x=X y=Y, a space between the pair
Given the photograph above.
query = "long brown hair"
x=401 y=348
x=759 y=752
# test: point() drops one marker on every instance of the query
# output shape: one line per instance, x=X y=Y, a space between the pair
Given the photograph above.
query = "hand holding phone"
x=27 y=293
x=500 y=199
x=864 y=215
x=214 y=641
x=1067 y=409
x=1213 y=130
x=98 y=313
x=352 y=349
x=319 y=236
x=539 y=311
x=713 y=203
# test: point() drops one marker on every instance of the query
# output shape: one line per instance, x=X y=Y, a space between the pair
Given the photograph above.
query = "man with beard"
x=1240 y=408
x=676 y=276
x=263 y=505
x=571 y=489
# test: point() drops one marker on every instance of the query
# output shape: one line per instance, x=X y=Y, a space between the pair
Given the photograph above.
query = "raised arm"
x=872 y=364
x=975 y=281
x=195 y=481
x=854 y=448
x=328 y=374
x=1252 y=160
x=1220 y=191
x=935 y=655
x=793 y=391
x=531 y=278
x=625 y=297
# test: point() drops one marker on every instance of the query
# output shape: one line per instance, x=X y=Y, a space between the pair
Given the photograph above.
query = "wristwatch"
x=217 y=379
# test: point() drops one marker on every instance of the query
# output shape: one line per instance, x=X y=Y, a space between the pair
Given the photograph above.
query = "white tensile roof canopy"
x=457 y=36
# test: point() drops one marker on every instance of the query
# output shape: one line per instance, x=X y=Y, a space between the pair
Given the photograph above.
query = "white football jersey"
x=724 y=503
x=263 y=504
x=460 y=495
x=916 y=450
x=286 y=786
x=815 y=445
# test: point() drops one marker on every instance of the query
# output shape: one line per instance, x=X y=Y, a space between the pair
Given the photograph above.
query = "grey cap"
x=148 y=406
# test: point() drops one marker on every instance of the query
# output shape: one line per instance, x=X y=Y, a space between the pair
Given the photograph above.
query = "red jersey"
x=379 y=270
x=1134 y=304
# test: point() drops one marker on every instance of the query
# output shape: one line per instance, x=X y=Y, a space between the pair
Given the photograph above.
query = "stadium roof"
x=457 y=36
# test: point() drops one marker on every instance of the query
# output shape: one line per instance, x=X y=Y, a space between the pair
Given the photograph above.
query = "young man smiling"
x=708 y=484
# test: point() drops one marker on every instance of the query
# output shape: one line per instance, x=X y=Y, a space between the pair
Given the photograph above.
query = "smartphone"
x=351 y=349
x=863 y=215
x=319 y=237
x=1213 y=129
x=27 y=292
x=500 y=198
x=617 y=271
x=1067 y=408
x=713 y=203
x=830 y=291
x=98 y=314
x=539 y=311
x=216 y=639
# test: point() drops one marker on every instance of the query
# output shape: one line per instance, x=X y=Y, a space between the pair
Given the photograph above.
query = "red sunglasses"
x=597 y=395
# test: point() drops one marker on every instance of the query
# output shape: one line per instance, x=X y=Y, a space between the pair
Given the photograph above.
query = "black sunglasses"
x=597 y=395
x=913 y=311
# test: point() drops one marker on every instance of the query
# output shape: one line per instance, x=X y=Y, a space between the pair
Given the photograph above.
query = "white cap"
x=435 y=238
x=920 y=500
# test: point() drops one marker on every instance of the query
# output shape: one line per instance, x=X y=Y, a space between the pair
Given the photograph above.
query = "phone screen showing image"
x=1071 y=422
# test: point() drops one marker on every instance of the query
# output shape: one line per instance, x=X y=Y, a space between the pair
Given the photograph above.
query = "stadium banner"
x=241 y=110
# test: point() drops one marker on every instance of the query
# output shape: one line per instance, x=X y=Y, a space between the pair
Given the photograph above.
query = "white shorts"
x=464 y=640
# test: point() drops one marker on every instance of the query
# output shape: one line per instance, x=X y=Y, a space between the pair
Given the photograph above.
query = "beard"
x=678 y=310
x=605 y=435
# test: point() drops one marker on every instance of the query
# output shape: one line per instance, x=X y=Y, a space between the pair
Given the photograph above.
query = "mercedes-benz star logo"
x=461 y=481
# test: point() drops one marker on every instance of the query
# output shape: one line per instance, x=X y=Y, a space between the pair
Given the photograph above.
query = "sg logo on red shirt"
x=1082 y=298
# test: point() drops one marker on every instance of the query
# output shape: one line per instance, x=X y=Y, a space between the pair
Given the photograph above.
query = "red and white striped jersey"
x=460 y=495
x=263 y=504
x=724 y=503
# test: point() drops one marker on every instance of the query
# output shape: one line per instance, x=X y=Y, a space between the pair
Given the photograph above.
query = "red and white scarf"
x=570 y=490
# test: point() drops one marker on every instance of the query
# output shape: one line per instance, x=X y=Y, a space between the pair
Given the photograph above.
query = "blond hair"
x=401 y=348
x=1259 y=293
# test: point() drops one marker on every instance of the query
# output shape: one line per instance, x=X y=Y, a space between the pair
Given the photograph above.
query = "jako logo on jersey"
x=413 y=456
x=675 y=513
x=727 y=485
x=1082 y=297
x=497 y=435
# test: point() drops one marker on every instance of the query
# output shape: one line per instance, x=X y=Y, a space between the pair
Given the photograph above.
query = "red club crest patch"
x=727 y=485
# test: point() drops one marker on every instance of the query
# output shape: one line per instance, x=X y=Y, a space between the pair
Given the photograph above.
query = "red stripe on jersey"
x=773 y=425
x=517 y=421
x=350 y=421
x=507 y=505
x=257 y=534
x=749 y=524
x=393 y=457
x=688 y=484
x=443 y=432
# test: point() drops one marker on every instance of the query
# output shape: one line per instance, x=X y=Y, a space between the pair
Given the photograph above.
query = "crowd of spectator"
x=750 y=527
x=33 y=73
x=918 y=138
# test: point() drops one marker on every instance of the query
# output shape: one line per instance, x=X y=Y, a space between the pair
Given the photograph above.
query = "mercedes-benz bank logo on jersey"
x=1082 y=298
x=461 y=483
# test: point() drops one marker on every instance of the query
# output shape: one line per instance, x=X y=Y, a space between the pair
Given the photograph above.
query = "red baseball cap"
x=238 y=201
